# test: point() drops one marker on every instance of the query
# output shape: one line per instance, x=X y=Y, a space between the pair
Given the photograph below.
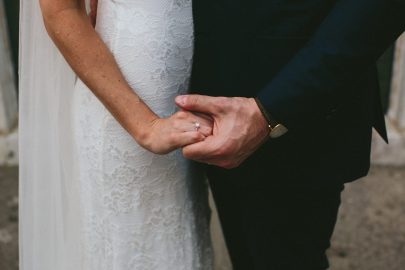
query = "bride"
x=96 y=191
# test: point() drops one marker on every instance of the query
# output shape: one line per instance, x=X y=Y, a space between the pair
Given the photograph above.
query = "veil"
x=50 y=235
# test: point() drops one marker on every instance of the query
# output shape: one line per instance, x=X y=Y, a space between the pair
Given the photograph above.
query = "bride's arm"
x=70 y=28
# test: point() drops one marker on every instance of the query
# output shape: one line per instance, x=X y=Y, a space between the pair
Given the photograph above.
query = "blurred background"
x=370 y=233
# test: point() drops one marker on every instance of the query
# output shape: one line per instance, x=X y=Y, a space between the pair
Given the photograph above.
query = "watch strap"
x=270 y=119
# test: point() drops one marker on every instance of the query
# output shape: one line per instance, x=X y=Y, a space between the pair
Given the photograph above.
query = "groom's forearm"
x=347 y=44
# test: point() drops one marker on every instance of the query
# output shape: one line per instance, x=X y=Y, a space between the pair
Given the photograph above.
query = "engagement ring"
x=197 y=125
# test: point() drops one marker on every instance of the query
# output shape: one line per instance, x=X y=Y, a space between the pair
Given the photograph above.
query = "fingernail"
x=180 y=99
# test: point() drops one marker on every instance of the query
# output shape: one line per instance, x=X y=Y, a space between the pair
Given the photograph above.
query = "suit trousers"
x=275 y=227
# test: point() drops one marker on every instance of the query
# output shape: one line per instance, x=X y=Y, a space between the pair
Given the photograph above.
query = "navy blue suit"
x=312 y=63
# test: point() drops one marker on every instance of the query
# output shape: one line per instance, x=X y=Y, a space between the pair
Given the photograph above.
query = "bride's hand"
x=167 y=134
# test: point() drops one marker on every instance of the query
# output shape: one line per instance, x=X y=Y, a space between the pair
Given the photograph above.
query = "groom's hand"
x=239 y=129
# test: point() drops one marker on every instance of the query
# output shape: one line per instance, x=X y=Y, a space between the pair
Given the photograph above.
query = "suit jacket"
x=312 y=63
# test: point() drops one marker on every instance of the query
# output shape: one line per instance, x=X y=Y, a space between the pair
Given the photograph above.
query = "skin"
x=73 y=33
x=93 y=11
x=239 y=127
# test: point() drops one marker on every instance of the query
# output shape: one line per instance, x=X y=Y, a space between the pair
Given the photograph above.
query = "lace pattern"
x=140 y=210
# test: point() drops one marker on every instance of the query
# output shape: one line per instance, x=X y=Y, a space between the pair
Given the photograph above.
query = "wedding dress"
x=95 y=199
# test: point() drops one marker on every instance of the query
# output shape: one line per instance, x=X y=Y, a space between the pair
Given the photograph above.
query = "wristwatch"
x=276 y=129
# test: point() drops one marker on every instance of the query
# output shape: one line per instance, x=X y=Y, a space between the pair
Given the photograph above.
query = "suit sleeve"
x=348 y=42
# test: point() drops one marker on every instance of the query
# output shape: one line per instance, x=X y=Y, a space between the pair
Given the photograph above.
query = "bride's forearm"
x=89 y=57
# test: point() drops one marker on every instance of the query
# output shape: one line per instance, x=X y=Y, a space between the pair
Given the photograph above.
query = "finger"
x=197 y=103
x=188 y=126
x=205 y=130
x=187 y=121
x=187 y=138
x=203 y=150
x=226 y=164
x=207 y=117
x=203 y=120
x=205 y=126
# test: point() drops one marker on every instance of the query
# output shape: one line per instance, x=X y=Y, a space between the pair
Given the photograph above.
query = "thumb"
x=197 y=103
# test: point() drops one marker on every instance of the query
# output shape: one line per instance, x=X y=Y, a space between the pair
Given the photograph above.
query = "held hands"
x=164 y=135
x=239 y=128
x=231 y=130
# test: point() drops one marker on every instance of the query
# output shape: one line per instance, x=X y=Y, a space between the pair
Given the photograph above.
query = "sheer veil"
x=49 y=198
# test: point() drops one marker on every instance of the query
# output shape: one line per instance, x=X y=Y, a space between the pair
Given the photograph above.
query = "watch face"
x=278 y=131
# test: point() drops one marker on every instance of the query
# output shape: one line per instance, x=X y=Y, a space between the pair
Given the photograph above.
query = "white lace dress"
x=141 y=211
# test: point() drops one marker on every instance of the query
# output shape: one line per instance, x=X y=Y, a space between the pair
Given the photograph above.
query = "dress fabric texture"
x=140 y=210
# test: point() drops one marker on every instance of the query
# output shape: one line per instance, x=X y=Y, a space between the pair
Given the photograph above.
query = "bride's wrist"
x=144 y=131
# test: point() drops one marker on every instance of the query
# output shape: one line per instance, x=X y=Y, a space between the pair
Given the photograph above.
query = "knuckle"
x=171 y=139
x=222 y=104
x=222 y=151
x=181 y=115
x=197 y=136
x=176 y=124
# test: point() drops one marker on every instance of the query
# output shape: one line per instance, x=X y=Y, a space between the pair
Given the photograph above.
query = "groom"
x=278 y=163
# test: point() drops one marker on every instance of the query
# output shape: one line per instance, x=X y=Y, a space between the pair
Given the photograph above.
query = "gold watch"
x=276 y=129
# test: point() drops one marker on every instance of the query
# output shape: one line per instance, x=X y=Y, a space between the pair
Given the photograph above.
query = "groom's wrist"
x=276 y=129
